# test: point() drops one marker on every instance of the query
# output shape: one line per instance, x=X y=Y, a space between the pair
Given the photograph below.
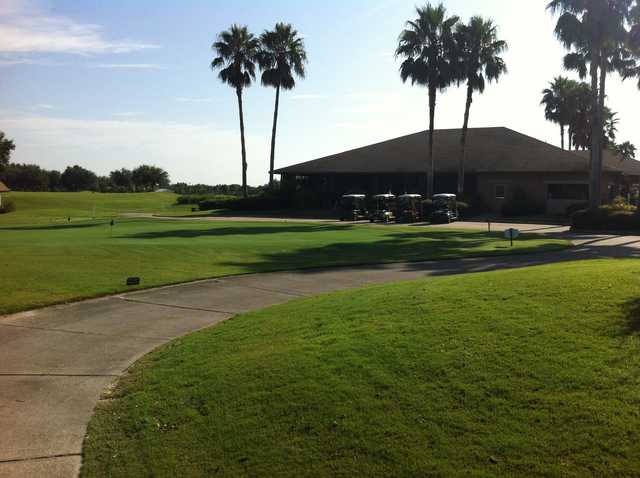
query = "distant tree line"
x=31 y=177
x=218 y=189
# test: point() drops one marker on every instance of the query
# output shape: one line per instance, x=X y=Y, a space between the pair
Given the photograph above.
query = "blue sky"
x=120 y=83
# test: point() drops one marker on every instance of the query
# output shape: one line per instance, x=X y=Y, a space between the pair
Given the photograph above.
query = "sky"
x=115 y=84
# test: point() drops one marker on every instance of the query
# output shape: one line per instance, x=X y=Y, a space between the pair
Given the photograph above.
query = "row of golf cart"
x=406 y=208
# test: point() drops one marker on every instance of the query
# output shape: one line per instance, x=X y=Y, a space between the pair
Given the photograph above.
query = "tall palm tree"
x=428 y=47
x=597 y=30
x=282 y=53
x=237 y=53
x=479 y=60
x=556 y=100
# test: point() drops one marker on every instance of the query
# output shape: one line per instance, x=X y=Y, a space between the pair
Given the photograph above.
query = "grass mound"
x=515 y=373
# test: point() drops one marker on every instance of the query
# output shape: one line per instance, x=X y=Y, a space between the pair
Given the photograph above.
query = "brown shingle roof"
x=4 y=188
x=611 y=160
x=488 y=150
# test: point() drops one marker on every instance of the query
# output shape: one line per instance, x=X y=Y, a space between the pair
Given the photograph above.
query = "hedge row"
x=252 y=203
x=606 y=218
x=198 y=198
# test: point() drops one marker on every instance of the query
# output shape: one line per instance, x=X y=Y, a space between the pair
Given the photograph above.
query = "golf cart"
x=409 y=208
x=353 y=207
x=385 y=206
x=445 y=209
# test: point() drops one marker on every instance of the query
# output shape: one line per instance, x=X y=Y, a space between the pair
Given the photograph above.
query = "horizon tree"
x=626 y=150
x=427 y=45
x=282 y=54
x=597 y=31
x=237 y=52
x=6 y=147
x=479 y=61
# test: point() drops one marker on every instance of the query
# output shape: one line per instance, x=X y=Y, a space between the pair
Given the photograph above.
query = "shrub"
x=463 y=207
x=521 y=205
x=575 y=208
x=262 y=202
x=606 y=218
x=620 y=204
x=198 y=198
x=7 y=206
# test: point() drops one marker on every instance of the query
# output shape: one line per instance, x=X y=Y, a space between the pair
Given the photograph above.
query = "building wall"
x=327 y=189
x=535 y=186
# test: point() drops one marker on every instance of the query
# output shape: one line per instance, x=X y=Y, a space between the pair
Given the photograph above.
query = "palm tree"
x=282 y=54
x=610 y=127
x=579 y=119
x=597 y=31
x=428 y=47
x=556 y=100
x=237 y=52
x=478 y=60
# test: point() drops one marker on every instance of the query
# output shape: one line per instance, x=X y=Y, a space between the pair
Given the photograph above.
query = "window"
x=571 y=191
x=500 y=191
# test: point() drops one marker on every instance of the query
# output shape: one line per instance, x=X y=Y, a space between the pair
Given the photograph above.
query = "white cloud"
x=45 y=106
x=129 y=66
x=197 y=153
x=6 y=62
x=24 y=29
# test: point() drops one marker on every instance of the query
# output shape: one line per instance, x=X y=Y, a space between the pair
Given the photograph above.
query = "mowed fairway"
x=45 y=264
x=513 y=373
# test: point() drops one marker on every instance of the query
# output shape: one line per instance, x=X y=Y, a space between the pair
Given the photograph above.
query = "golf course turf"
x=52 y=263
x=514 y=373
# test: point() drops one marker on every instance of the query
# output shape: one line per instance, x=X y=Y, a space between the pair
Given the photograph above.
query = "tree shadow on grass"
x=53 y=227
x=632 y=317
x=238 y=230
x=278 y=228
x=409 y=249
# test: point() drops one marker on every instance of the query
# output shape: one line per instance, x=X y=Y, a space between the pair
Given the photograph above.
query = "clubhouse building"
x=499 y=163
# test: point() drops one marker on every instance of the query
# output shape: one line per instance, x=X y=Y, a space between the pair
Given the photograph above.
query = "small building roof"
x=4 y=188
x=488 y=150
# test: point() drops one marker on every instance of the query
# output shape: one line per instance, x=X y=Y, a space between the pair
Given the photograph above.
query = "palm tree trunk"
x=463 y=139
x=244 y=151
x=596 y=166
x=430 y=166
x=273 y=138
x=601 y=145
x=570 y=136
x=562 y=136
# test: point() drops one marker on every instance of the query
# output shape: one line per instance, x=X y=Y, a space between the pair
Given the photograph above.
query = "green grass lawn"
x=45 y=264
x=515 y=373
x=38 y=208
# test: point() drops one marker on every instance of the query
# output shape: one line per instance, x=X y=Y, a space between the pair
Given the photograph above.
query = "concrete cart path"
x=56 y=362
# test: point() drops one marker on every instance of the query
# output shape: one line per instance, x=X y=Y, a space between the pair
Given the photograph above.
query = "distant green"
x=38 y=208
x=519 y=373
x=46 y=264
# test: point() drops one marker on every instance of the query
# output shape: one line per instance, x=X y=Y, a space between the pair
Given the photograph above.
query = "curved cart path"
x=55 y=362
